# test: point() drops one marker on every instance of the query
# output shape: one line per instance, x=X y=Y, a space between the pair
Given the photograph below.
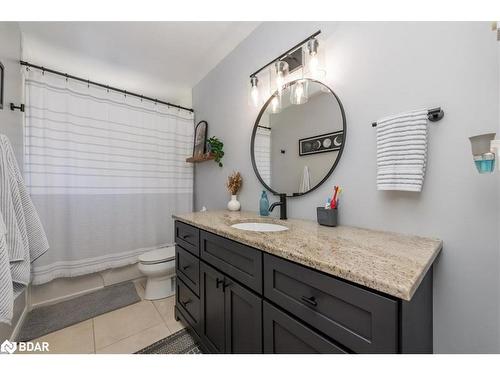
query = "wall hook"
x=14 y=107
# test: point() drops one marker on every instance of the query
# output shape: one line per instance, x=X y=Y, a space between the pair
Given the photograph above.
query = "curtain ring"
x=66 y=75
x=88 y=84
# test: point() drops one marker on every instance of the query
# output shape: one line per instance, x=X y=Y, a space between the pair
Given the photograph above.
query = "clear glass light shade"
x=254 y=97
x=314 y=64
x=299 y=92
x=275 y=105
x=280 y=75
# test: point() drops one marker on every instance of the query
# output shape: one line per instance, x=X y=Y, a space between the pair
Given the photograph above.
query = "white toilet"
x=159 y=267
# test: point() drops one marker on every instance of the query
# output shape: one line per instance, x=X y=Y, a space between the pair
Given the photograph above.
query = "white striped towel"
x=24 y=239
x=402 y=151
x=305 y=183
x=6 y=289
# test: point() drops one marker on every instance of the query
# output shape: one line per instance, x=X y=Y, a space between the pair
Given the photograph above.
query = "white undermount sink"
x=260 y=227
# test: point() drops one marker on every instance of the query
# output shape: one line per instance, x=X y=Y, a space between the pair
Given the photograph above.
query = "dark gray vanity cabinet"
x=212 y=328
x=359 y=319
x=286 y=335
x=238 y=299
x=231 y=316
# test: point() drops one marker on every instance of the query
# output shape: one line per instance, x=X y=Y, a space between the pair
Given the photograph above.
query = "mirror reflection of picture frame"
x=1 y=85
x=200 y=139
x=321 y=143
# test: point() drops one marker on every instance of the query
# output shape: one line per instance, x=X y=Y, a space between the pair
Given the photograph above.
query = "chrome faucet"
x=282 y=204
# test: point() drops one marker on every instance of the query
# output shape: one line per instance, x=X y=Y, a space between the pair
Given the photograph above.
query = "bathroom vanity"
x=308 y=289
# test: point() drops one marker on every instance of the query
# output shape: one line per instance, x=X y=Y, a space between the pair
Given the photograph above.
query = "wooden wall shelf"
x=199 y=159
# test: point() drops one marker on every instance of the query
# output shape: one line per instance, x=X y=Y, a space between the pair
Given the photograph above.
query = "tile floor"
x=122 y=331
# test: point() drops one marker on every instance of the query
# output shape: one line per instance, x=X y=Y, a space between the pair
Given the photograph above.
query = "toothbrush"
x=335 y=190
x=338 y=197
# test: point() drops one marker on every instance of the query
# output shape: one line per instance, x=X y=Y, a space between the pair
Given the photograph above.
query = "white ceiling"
x=159 y=59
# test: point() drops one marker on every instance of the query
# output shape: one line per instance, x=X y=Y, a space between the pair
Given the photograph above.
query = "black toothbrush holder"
x=327 y=217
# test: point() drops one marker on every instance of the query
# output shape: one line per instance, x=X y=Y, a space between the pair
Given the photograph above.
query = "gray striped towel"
x=402 y=151
x=23 y=239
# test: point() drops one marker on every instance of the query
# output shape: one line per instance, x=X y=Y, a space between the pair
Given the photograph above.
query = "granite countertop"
x=388 y=262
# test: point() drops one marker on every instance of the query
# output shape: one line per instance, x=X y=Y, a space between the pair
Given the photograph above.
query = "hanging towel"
x=305 y=184
x=6 y=287
x=402 y=151
x=24 y=239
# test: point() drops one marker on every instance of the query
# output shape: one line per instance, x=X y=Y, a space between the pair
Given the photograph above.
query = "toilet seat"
x=161 y=255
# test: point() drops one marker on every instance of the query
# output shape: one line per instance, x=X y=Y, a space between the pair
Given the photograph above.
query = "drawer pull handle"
x=186 y=267
x=225 y=285
x=186 y=236
x=218 y=282
x=185 y=303
x=310 y=300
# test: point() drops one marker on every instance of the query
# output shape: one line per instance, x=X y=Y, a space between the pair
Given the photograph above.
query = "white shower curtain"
x=106 y=172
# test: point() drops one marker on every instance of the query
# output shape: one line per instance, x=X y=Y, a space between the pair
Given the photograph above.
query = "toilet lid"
x=158 y=255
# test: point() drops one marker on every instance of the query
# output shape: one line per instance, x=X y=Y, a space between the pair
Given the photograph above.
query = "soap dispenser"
x=264 y=204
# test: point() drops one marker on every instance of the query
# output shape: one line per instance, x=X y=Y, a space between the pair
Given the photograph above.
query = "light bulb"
x=281 y=69
x=275 y=105
x=280 y=81
x=313 y=65
x=299 y=94
x=255 y=96
x=254 y=91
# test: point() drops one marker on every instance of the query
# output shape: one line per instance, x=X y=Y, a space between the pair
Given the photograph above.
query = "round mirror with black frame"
x=298 y=138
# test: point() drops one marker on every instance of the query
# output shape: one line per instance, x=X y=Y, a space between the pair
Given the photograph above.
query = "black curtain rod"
x=287 y=52
x=434 y=114
x=88 y=82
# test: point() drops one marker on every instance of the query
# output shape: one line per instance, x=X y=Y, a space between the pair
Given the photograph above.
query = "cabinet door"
x=212 y=309
x=243 y=319
x=285 y=335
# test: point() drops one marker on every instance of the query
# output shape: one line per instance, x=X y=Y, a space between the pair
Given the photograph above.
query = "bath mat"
x=47 y=319
x=181 y=342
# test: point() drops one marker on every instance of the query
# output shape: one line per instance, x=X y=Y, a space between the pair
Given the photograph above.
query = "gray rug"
x=179 y=343
x=47 y=319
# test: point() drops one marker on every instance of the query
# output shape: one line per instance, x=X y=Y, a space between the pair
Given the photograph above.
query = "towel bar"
x=433 y=115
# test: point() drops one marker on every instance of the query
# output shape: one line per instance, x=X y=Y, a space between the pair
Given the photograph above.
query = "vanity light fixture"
x=284 y=66
x=254 y=91
x=299 y=93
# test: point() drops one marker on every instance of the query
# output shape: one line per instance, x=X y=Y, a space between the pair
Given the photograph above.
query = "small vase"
x=233 y=204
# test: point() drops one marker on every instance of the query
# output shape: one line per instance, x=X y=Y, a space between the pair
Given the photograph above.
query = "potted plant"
x=215 y=146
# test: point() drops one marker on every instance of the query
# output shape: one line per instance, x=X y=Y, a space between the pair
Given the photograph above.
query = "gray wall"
x=379 y=69
x=11 y=122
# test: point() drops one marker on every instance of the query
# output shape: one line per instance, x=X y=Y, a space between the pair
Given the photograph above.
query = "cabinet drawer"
x=286 y=335
x=241 y=262
x=188 y=304
x=361 y=320
x=188 y=237
x=187 y=268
